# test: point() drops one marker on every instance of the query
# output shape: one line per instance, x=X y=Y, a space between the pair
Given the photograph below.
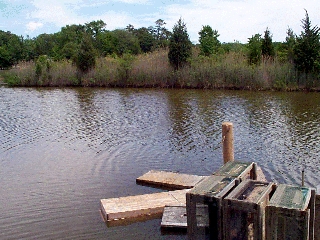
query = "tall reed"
x=229 y=70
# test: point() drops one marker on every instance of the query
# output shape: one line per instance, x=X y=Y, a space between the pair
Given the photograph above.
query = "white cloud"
x=239 y=20
x=32 y=26
x=134 y=1
x=59 y=12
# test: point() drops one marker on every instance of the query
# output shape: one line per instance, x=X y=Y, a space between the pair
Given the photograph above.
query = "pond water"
x=62 y=150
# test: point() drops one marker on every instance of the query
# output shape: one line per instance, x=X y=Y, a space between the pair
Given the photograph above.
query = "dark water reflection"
x=62 y=150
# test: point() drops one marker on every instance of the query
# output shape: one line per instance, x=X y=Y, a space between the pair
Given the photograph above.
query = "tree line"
x=82 y=44
x=66 y=43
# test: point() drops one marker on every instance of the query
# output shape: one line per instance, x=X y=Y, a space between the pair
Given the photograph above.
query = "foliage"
x=85 y=59
x=5 y=58
x=267 y=49
x=209 y=43
x=179 y=46
x=119 y=42
x=290 y=44
x=125 y=66
x=307 y=48
x=11 y=49
x=161 y=34
x=145 y=38
x=43 y=66
x=254 y=49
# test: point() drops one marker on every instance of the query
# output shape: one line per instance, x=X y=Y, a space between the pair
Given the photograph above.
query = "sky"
x=235 y=20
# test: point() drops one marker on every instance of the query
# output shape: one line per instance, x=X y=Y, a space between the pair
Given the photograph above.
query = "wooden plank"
x=176 y=217
x=260 y=175
x=135 y=206
x=169 y=180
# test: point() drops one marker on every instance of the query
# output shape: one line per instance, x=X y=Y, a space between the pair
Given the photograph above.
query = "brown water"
x=62 y=150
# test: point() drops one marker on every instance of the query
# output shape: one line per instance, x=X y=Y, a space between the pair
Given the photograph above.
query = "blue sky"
x=234 y=19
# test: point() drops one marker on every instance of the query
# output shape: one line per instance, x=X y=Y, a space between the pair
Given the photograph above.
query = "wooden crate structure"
x=243 y=210
x=317 y=219
x=239 y=170
x=210 y=192
x=290 y=213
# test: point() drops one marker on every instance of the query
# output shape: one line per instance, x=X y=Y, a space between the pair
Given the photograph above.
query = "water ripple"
x=61 y=150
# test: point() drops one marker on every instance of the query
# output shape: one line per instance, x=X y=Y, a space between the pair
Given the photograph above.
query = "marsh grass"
x=224 y=71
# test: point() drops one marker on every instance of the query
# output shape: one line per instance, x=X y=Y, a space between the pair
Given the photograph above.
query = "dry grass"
x=229 y=70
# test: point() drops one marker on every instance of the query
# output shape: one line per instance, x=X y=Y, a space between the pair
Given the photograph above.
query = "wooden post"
x=227 y=141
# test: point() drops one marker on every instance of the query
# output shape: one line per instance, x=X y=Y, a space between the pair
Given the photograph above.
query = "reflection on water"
x=62 y=150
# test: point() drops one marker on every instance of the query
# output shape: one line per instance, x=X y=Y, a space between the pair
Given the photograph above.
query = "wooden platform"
x=169 y=180
x=135 y=206
x=176 y=217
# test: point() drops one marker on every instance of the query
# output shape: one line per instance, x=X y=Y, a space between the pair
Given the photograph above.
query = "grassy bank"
x=230 y=70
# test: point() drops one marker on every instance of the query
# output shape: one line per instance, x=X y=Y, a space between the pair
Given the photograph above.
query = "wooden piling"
x=227 y=142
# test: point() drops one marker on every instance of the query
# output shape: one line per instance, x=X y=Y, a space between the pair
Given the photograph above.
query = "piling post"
x=227 y=142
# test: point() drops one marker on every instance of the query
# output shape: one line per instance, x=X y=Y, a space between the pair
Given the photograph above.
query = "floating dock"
x=135 y=206
x=153 y=204
x=199 y=205
x=170 y=180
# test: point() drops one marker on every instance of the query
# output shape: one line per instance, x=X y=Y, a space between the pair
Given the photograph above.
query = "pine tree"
x=267 y=49
x=179 y=46
x=307 y=48
x=209 y=43
x=85 y=59
x=254 y=49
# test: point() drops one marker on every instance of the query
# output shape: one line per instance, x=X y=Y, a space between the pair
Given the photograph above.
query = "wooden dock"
x=199 y=205
x=135 y=206
x=152 y=204
x=169 y=180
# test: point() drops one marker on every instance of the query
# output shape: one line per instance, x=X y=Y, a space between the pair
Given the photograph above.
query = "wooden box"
x=317 y=219
x=290 y=213
x=243 y=210
x=239 y=170
x=208 y=192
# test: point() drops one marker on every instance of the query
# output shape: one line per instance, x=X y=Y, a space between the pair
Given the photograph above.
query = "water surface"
x=62 y=150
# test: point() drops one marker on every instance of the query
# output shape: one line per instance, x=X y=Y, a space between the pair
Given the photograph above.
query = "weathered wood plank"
x=134 y=206
x=260 y=175
x=176 y=217
x=169 y=180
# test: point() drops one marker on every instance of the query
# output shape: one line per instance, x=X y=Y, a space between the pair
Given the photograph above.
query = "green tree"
x=44 y=44
x=11 y=49
x=146 y=40
x=254 y=49
x=28 y=49
x=124 y=42
x=307 y=48
x=5 y=58
x=267 y=48
x=289 y=45
x=94 y=28
x=85 y=59
x=68 y=41
x=179 y=46
x=161 y=34
x=209 y=43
